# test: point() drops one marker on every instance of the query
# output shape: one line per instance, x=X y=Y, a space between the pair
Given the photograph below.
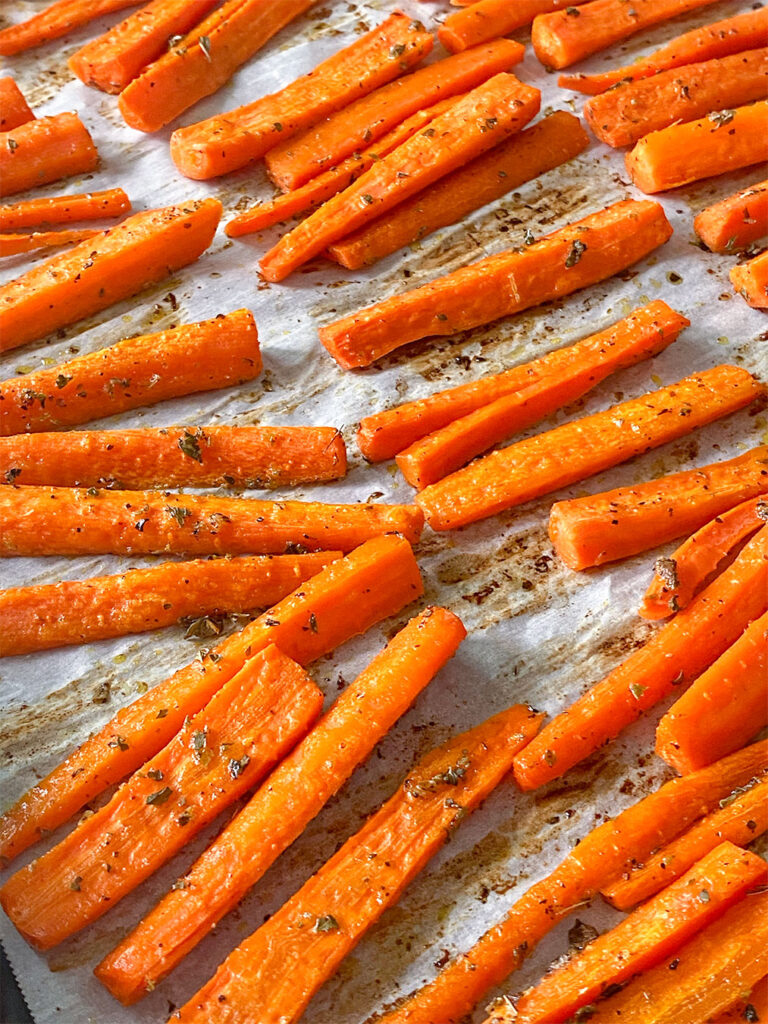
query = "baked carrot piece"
x=342 y=600
x=37 y=213
x=274 y=973
x=583 y=253
x=305 y=781
x=735 y=222
x=12 y=245
x=483 y=119
x=676 y=655
x=750 y=280
x=14 y=109
x=37 y=618
x=119 y=262
x=231 y=140
x=54 y=21
x=43 y=150
x=295 y=161
x=488 y=19
x=548 y=144
x=754 y=1005
x=578 y=449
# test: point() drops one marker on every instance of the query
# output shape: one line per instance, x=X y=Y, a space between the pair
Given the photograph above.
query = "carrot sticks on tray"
x=55 y=20
x=45 y=149
x=488 y=19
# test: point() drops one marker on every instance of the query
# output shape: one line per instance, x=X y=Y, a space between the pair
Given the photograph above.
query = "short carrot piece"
x=119 y=262
x=304 y=782
x=37 y=213
x=58 y=19
x=14 y=109
x=754 y=1005
x=488 y=19
x=750 y=280
x=274 y=973
x=12 y=245
x=342 y=600
x=483 y=119
x=43 y=150
x=735 y=222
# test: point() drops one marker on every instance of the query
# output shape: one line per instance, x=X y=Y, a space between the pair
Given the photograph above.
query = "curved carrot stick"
x=12 y=245
x=14 y=109
x=35 y=213
x=750 y=280
x=54 y=21
x=487 y=19
x=735 y=222
x=45 y=149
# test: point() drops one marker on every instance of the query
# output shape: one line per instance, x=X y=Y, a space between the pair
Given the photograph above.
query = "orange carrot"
x=735 y=222
x=488 y=19
x=228 y=141
x=54 y=21
x=35 y=213
x=723 y=709
x=678 y=653
x=12 y=245
x=116 y=264
x=750 y=280
x=45 y=149
x=344 y=599
x=485 y=117
x=753 y=1005
x=304 y=782
x=40 y=617
x=579 y=448
x=578 y=255
x=615 y=524
x=274 y=973
x=14 y=109
x=549 y=143
x=295 y=161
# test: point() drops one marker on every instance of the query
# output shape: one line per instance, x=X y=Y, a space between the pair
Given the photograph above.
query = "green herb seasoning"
x=159 y=796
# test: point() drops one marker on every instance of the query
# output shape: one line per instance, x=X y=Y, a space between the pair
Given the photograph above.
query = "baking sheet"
x=537 y=632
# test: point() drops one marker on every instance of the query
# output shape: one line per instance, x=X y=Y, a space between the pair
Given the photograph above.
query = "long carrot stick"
x=36 y=213
x=488 y=19
x=677 y=654
x=578 y=255
x=735 y=222
x=37 y=618
x=750 y=280
x=305 y=781
x=548 y=144
x=228 y=141
x=274 y=973
x=484 y=118
x=54 y=21
x=45 y=149
x=344 y=599
x=14 y=109
x=576 y=450
x=217 y=755
x=12 y=245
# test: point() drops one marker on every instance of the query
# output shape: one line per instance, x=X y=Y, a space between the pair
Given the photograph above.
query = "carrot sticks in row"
x=45 y=149
x=36 y=213
x=14 y=109
x=488 y=19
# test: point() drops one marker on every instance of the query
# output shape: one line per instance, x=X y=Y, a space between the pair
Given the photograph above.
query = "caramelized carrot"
x=54 y=21
x=735 y=222
x=12 y=245
x=35 y=213
x=45 y=149
x=487 y=19
x=14 y=109
x=750 y=280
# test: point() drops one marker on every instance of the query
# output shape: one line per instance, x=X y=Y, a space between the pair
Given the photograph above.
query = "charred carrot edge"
x=750 y=280
x=223 y=751
x=489 y=19
x=309 y=776
x=275 y=972
x=754 y=1005
x=37 y=618
x=485 y=117
x=36 y=213
x=615 y=524
x=678 y=653
x=677 y=578
x=43 y=150
x=737 y=221
x=228 y=141
x=14 y=109
x=114 y=265
x=56 y=20
x=548 y=144
x=12 y=245
x=294 y=162
x=578 y=255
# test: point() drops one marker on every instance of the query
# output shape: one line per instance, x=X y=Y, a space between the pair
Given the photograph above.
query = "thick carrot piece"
x=548 y=144
x=36 y=213
x=678 y=653
x=489 y=19
x=735 y=222
x=484 y=118
x=754 y=1005
x=56 y=20
x=273 y=974
x=303 y=783
x=12 y=245
x=14 y=109
x=344 y=599
x=118 y=263
x=750 y=280
x=228 y=141
x=37 y=618
x=45 y=149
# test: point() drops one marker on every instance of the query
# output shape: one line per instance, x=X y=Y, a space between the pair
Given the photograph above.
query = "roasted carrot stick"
x=274 y=973
x=677 y=578
x=231 y=140
x=754 y=1005
x=37 y=618
x=551 y=142
x=576 y=450
x=735 y=222
x=678 y=653
x=578 y=255
x=489 y=19
x=750 y=280
x=45 y=149
x=36 y=213
x=12 y=245
x=484 y=118
x=305 y=781
x=54 y=21
x=14 y=109
x=294 y=162
x=344 y=599
x=142 y=250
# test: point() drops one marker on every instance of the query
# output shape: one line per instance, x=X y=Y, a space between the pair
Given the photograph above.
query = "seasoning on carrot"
x=488 y=19
x=12 y=245
x=750 y=280
x=36 y=213
x=14 y=109
x=43 y=150
x=751 y=1003
x=735 y=222
x=114 y=265
x=305 y=781
x=54 y=21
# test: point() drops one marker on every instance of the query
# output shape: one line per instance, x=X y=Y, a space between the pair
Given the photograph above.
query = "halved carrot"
x=37 y=618
x=750 y=280
x=578 y=255
x=45 y=149
x=35 y=213
x=483 y=119
x=118 y=263
x=487 y=19
x=274 y=973
x=753 y=1004
x=228 y=141
x=551 y=142
x=344 y=599
x=735 y=222
x=14 y=109
x=304 y=782
x=54 y=21
x=12 y=245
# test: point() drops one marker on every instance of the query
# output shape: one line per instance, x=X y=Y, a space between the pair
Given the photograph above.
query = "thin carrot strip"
x=750 y=280
x=37 y=618
x=56 y=20
x=274 y=973
x=484 y=118
x=14 y=109
x=735 y=222
x=45 y=149
x=489 y=19
x=12 y=245
x=578 y=255
x=36 y=213
x=344 y=599
x=305 y=781
x=548 y=144
x=753 y=1005
x=118 y=263
x=228 y=141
